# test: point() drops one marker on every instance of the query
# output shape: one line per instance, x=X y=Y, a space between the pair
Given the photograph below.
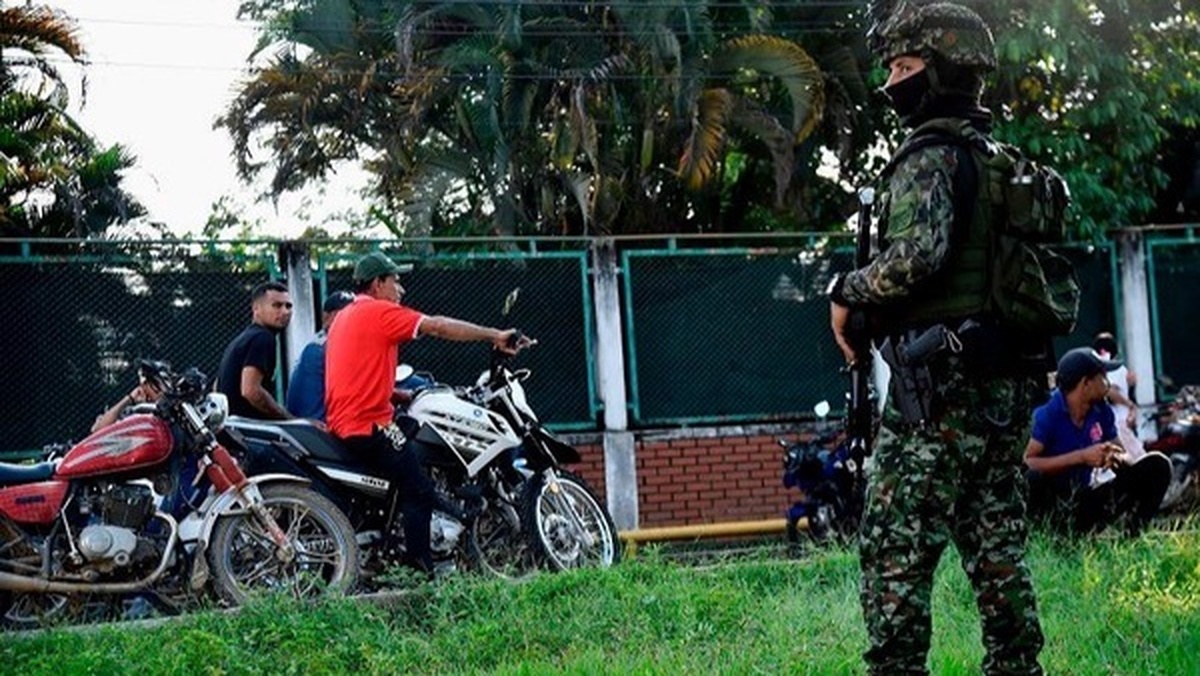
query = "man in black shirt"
x=248 y=366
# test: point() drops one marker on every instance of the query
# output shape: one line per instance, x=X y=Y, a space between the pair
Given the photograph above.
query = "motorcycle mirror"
x=510 y=300
x=821 y=409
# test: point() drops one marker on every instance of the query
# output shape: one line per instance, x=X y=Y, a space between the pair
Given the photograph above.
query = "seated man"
x=248 y=365
x=1074 y=440
x=306 y=387
x=144 y=393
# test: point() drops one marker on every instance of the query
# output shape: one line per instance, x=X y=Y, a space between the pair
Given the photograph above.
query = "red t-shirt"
x=361 y=354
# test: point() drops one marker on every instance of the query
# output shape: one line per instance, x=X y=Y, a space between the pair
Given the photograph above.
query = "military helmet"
x=952 y=31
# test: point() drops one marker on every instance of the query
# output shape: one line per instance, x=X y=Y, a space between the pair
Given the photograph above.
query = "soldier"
x=947 y=460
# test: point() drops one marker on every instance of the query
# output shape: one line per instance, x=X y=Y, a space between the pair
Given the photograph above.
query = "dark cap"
x=1080 y=363
x=376 y=264
x=336 y=301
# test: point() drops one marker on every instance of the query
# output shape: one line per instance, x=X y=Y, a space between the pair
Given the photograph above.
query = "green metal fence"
x=81 y=316
x=1173 y=271
x=741 y=334
x=733 y=333
x=730 y=334
x=84 y=313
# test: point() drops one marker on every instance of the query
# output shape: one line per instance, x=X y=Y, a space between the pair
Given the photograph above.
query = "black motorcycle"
x=505 y=504
x=828 y=471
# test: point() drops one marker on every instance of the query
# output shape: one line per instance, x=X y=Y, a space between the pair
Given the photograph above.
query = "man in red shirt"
x=361 y=354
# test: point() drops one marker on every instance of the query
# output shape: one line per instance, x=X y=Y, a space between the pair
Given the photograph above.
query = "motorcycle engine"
x=101 y=543
x=111 y=540
x=127 y=505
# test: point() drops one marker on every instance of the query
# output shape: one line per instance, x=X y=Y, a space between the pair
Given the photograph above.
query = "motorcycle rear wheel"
x=497 y=545
x=553 y=520
x=242 y=557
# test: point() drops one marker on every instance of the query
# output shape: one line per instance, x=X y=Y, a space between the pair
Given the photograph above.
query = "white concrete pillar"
x=1137 y=341
x=620 y=466
x=294 y=260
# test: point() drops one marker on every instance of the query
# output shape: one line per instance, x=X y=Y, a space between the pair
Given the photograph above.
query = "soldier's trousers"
x=959 y=481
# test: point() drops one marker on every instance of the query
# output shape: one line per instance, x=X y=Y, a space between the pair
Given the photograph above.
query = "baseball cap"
x=336 y=301
x=376 y=264
x=1080 y=363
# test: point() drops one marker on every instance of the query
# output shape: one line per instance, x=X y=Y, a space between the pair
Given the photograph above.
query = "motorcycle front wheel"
x=566 y=524
x=244 y=560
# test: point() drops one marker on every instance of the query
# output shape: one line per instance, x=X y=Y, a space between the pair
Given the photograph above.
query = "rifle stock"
x=860 y=422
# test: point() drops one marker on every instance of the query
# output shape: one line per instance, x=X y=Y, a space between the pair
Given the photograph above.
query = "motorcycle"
x=152 y=507
x=495 y=469
x=489 y=436
x=1179 y=439
x=828 y=471
x=365 y=497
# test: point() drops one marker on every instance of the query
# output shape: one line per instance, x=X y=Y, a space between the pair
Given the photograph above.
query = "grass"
x=1107 y=606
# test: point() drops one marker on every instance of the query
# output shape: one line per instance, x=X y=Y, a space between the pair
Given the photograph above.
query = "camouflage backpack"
x=1031 y=288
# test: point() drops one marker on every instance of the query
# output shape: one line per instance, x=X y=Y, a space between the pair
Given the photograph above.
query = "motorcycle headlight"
x=213 y=410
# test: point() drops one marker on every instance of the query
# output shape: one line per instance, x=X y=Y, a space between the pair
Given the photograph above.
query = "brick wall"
x=689 y=480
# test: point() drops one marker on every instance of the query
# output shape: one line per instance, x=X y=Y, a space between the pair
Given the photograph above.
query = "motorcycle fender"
x=229 y=502
x=563 y=452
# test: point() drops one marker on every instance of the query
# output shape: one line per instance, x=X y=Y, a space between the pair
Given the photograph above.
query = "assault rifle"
x=860 y=422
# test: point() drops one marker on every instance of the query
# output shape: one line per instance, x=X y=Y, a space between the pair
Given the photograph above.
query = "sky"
x=160 y=73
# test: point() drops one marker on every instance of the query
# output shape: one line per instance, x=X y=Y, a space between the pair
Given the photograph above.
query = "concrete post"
x=620 y=466
x=1137 y=343
x=293 y=258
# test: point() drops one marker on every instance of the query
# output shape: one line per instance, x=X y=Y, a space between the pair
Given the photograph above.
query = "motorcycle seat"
x=11 y=473
x=318 y=442
x=301 y=436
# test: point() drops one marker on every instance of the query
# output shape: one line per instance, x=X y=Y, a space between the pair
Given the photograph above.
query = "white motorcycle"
x=531 y=504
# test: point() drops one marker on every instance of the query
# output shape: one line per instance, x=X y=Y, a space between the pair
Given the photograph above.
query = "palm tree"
x=29 y=35
x=526 y=117
x=54 y=178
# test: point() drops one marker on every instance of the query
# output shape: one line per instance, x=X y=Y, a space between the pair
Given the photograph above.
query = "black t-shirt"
x=253 y=347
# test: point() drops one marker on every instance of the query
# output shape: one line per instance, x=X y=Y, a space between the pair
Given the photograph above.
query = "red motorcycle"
x=152 y=507
x=1179 y=439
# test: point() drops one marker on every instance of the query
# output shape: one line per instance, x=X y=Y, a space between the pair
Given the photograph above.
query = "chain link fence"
x=1174 y=277
x=742 y=334
x=712 y=335
x=731 y=334
x=83 y=315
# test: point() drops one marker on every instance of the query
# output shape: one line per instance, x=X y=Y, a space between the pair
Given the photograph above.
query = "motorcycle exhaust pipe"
x=36 y=585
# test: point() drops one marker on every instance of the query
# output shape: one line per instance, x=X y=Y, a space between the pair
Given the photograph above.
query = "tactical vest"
x=961 y=288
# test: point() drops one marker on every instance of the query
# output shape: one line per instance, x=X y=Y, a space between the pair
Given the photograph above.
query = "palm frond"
x=785 y=60
x=841 y=64
x=778 y=139
x=328 y=27
x=579 y=185
x=707 y=138
x=39 y=30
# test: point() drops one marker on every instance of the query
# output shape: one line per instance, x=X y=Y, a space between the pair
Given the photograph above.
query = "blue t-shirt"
x=306 y=387
x=1053 y=428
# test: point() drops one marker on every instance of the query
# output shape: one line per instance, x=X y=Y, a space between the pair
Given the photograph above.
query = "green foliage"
x=55 y=179
x=1100 y=90
x=1106 y=606
x=528 y=118
x=542 y=118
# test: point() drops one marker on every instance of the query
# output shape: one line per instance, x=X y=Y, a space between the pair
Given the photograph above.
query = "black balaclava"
x=941 y=89
x=907 y=95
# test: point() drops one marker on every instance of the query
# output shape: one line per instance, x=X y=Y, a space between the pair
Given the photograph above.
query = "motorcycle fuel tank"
x=33 y=503
x=137 y=441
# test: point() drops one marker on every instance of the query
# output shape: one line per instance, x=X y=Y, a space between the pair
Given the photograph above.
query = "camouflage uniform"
x=958 y=477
